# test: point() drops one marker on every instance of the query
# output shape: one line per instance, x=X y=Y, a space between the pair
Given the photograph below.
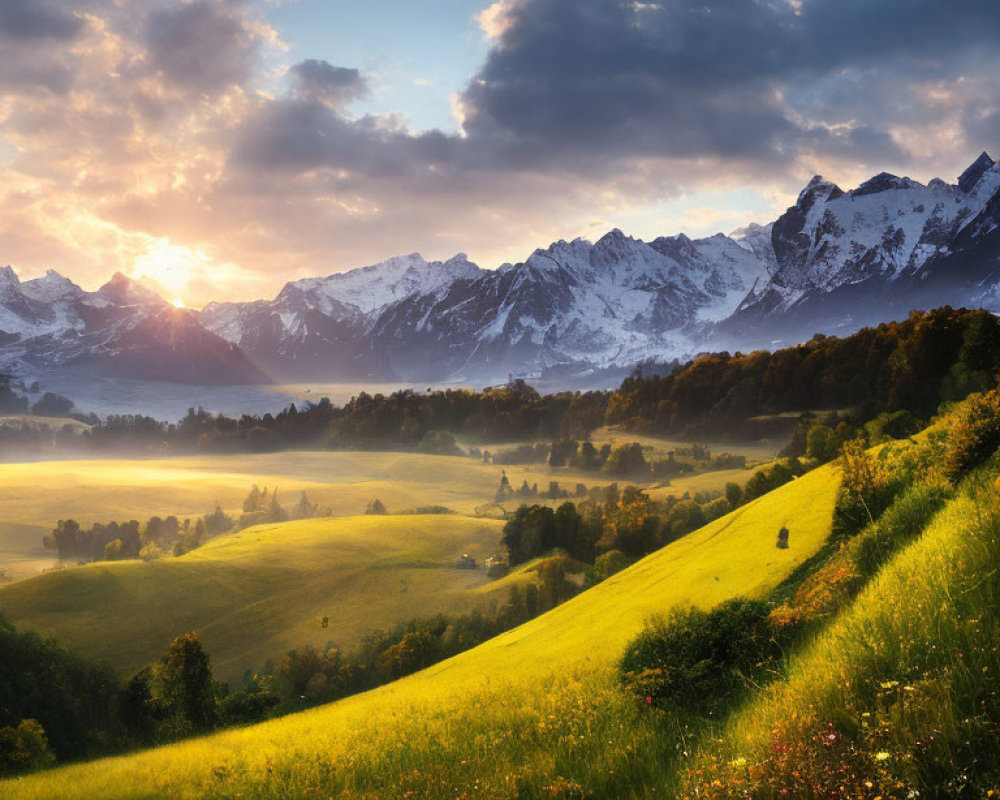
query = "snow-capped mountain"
x=123 y=329
x=849 y=259
x=833 y=262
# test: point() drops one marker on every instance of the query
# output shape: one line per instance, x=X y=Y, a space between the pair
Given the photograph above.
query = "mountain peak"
x=125 y=291
x=8 y=277
x=883 y=182
x=817 y=187
x=51 y=287
x=968 y=179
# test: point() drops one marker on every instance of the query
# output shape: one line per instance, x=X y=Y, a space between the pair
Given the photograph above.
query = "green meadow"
x=36 y=495
x=534 y=712
x=255 y=594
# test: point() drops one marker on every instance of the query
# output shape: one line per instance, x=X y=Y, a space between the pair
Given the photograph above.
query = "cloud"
x=37 y=19
x=173 y=136
x=204 y=45
x=320 y=80
x=496 y=19
x=574 y=78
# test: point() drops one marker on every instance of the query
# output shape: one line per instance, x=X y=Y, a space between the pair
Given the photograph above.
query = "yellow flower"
x=883 y=756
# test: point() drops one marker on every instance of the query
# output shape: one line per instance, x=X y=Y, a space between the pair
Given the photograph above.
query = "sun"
x=178 y=303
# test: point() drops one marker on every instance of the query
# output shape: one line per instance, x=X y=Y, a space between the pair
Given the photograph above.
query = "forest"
x=913 y=366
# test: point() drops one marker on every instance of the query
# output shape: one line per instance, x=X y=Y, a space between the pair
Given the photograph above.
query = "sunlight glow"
x=172 y=268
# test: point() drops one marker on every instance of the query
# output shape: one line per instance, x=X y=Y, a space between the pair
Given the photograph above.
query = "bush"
x=974 y=436
x=766 y=480
x=439 y=443
x=701 y=660
x=609 y=563
x=24 y=748
x=897 y=425
x=376 y=507
x=868 y=487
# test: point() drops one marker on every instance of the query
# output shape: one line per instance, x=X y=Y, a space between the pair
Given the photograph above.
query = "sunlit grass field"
x=529 y=713
x=34 y=496
x=911 y=664
x=255 y=594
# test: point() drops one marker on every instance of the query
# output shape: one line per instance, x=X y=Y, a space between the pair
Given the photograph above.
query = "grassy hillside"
x=521 y=715
x=34 y=496
x=253 y=595
x=898 y=694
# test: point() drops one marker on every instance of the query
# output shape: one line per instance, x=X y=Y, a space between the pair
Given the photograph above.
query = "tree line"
x=158 y=536
x=912 y=365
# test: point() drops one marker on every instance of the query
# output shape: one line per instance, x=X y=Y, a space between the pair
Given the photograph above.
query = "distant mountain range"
x=832 y=263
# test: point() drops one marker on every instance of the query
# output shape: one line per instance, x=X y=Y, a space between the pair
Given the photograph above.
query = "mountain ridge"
x=833 y=262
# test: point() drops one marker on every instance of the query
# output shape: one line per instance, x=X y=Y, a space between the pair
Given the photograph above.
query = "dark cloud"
x=582 y=84
x=322 y=81
x=37 y=19
x=682 y=79
x=32 y=73
x=203 y=45
x=302 y=134
x=982 y=125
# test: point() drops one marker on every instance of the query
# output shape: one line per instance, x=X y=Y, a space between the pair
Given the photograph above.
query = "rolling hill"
x=496 y=720
x=256 y=594
x=36 y=495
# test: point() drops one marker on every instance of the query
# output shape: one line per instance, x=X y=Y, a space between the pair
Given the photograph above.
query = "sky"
x=219 y=148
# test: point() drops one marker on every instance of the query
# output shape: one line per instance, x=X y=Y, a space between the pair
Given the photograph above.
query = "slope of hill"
x=256 y=594
x=494 y=721
x=898 y=695
x=38 y=494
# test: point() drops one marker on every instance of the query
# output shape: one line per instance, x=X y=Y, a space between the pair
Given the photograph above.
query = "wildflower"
x=738 y=762
x=649 y=699
x=882 y=756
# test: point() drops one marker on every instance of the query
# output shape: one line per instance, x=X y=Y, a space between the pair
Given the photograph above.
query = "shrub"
x=974 y=436
x=766 y=480
x=439 y=443
x=897 y=425
x=867 y=488
x=24 y=748
x=375 y=506
x=701 y=660
x=607 y=564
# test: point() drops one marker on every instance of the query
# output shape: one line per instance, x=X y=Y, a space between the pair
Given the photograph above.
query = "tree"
x=413 y=652
x=24 y=748
x=113 y=550
x=563 y=451
x=53 y=405
x=504 y=491
x=187 y=682
x=376 y=507
x=734 y=494
x=218 y=521
x=607 y=564
x=303 y=509
x=626 y=460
